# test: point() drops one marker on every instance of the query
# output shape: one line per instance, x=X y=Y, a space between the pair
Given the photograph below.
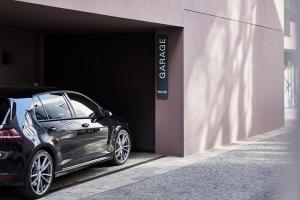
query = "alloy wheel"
x=122 y=147
x=41 y=173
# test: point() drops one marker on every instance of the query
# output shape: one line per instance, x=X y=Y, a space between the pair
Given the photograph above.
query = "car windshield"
x=4 y=111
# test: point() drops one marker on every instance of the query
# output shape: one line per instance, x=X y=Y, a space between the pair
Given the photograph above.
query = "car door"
x=94 y=126
x=60 y=126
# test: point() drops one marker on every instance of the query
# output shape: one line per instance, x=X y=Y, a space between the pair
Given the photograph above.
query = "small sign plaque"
x=162 y=66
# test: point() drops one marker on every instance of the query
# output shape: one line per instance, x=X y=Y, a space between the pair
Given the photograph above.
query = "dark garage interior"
x=116 y=70
x=109 y=59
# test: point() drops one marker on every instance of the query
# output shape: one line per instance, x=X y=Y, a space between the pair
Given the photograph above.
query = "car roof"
x=24 y=91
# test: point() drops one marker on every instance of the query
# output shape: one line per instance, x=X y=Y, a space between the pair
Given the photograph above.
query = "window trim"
x=70 y=101
x=54 y=120
x=60 y=119
x=10 y=104
x=36 y=96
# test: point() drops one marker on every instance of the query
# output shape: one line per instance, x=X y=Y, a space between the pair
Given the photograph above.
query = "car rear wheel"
x=39 y=175
x=122 y=147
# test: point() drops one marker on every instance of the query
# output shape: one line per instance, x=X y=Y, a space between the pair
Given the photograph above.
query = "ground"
x=253 y=171
x=247 y=170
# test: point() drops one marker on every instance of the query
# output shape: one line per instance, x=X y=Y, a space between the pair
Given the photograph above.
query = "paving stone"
x=250 y=172
x=250 y=169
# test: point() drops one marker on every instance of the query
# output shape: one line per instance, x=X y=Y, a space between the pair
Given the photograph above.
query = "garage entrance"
x=117 y=70
x=106 y=56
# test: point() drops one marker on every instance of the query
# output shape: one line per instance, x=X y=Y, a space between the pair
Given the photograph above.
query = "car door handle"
x=85 y=125
x=52 y=129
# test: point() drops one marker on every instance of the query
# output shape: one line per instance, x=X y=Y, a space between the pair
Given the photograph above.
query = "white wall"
x=290 y=42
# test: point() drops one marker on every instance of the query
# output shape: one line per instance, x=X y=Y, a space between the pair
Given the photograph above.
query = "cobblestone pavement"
x=253 y=171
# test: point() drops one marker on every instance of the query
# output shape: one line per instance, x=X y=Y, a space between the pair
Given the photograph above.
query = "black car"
x=46 y=133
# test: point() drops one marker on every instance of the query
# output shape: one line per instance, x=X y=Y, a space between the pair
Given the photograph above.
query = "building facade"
x=290 y=69
x=223 y=76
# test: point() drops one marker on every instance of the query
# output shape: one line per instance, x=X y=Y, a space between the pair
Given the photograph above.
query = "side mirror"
x=107 y=113
x=94 y=118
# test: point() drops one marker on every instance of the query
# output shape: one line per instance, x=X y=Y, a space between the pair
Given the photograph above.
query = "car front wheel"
x=39 y=175
x=122 y=147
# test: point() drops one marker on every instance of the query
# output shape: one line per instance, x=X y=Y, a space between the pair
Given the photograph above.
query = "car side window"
x=39 y=110
x=83 y=107
x=56 y=106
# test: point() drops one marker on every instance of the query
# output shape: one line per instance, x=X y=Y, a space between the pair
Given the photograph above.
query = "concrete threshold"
x=100 y=170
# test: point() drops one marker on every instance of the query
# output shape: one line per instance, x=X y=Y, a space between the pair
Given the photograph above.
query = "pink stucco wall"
x=258 y=12
x=233 y=74
x=163 y=12
x=169 y=138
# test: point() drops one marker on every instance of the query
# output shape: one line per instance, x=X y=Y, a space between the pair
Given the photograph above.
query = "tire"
x=120 y=155
x=38 y=179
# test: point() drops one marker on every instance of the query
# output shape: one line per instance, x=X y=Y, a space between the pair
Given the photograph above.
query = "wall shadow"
x=233 y=79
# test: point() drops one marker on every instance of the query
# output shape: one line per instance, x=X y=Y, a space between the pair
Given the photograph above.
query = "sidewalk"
x=250 y=169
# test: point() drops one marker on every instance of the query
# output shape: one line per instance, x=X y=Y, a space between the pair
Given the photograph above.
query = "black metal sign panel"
x=162 y=66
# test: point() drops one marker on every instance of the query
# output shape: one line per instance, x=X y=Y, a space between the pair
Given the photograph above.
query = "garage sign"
x=162 y=66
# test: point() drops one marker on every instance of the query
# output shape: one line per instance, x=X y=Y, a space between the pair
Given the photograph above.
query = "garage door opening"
x=116 y=70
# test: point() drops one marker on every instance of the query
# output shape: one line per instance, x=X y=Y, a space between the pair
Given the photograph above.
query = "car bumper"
x=10 y=179
x=11 y=169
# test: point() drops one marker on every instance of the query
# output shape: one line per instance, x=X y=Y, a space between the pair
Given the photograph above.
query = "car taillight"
x=9 y=135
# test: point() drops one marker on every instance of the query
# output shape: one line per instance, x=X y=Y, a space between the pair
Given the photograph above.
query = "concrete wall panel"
x=169 y=113
x=233 y=81
x=264 y=13
x=164 y=12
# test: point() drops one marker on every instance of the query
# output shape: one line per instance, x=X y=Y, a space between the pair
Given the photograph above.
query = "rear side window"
x=84 y=107
x=55 y=106
x=39 y=110
x=4 y=111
